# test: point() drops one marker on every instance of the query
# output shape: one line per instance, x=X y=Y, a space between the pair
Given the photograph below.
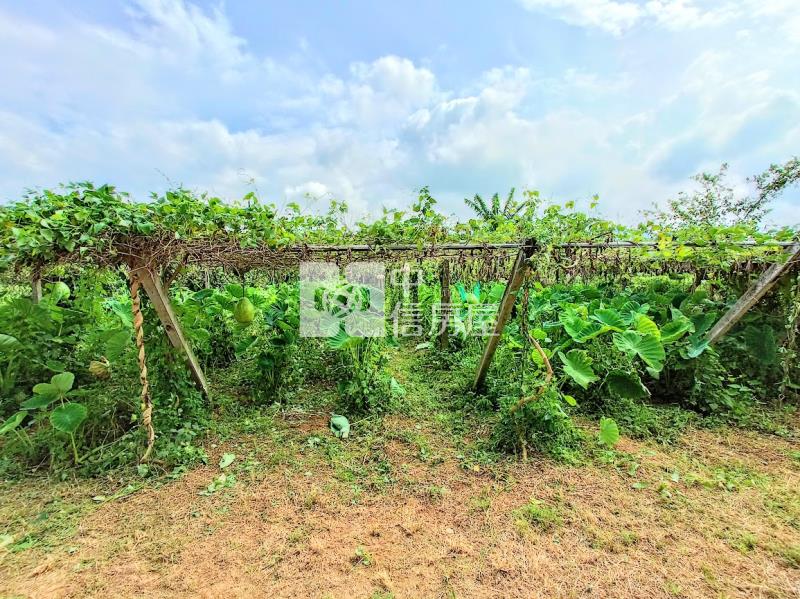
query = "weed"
x=362 y=557
x=538 y=516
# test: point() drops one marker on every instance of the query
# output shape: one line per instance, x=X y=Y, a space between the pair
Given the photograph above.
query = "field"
x=409 y=506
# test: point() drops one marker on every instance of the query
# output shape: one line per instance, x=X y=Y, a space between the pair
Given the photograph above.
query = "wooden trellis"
x=145 y=271
x=289 y=257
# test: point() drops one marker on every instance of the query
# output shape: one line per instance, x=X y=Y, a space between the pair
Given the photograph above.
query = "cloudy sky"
x=367 y=100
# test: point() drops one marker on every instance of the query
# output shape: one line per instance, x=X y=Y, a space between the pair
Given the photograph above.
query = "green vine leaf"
x=609 y=432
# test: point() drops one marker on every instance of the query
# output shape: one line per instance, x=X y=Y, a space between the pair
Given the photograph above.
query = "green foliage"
x=609 y=432
x=535 y=514
x=543 y=425
x=618 y=344
x=578 y=366
x=626 y=385
x=68 y=417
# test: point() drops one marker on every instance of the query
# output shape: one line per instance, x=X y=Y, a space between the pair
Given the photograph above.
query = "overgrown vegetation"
x=618 y=335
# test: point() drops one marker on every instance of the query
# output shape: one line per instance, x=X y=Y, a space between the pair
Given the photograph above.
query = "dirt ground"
x=404 y=513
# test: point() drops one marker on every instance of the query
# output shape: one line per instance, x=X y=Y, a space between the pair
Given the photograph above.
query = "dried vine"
x=147 y=402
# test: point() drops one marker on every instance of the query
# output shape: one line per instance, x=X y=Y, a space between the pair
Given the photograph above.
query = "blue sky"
x=367 y=101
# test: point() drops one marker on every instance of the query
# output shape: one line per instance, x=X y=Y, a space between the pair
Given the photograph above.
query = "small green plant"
x=223 y=481
x=362 y=557
x=609 y=432
x=67 y=416
x=538 y=516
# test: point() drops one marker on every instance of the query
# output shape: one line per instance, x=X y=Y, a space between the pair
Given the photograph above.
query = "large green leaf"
x=40 y=400
x=68 y=418
x=703 y=322
x=63 y=382
x=579 y=329
x=609 y=432
x=610 y=318
x=696 y=347
x=116 y=342
x=675 y=329
x=578 y=365
x=8 y=343
x=342 y=340
x=627 y=385
x=647 y=347
x=46 y=389
x=646 y=326
x=761 y=344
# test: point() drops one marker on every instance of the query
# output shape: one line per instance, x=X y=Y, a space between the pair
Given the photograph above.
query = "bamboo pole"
x=36 y=288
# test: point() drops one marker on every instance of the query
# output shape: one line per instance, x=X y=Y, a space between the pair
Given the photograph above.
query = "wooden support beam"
x=750 y=297
x=444 y=309
x=518 y=272
x=161 y=304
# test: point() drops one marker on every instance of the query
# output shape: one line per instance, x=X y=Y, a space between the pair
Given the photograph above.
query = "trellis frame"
x=145 y=269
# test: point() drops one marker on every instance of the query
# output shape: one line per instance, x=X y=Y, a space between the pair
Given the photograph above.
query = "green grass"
x=537 y=516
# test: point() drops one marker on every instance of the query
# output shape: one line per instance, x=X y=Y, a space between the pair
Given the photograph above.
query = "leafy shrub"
x=544 y=425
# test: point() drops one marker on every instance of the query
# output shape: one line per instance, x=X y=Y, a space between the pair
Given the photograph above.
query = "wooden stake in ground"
x=750 y=297
x=444 y=310
x=36 y=288
x=161 y=304
x=515 y=280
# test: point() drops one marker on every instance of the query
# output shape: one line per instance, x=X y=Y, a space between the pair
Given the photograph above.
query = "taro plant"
x=67 y=416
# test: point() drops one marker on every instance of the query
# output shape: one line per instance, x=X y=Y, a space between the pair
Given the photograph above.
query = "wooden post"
x=36 y=288
x=414 y=304
x=515 y=280
x=161 y=304
x=444 y=308
x=758 y=290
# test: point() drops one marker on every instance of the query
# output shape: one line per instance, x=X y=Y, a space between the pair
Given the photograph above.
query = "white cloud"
x=609 y=15
x=616 y=17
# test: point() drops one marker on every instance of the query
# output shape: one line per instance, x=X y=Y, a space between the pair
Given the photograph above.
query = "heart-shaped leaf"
x=579 y=329
x=647 y=347
x=610 y=318
x=577 y=364
x=609 y=432
x=62 y=382
x=626 y=385
x=675 y=329
x=69 y=417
